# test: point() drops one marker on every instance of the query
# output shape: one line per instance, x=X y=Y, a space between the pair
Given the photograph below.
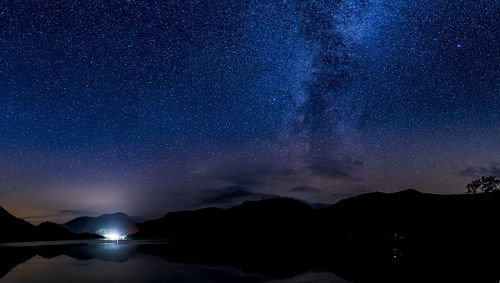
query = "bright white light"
x=114 y=236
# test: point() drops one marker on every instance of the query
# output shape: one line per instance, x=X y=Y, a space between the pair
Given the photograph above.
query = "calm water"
x=127 y=261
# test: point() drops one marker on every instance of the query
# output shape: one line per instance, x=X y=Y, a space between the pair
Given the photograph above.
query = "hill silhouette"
x=13 y=228
x=406 y=236
x=387 y=235
x=264 y=220
x=120 y=223
x=18 y=230
x=368 y=217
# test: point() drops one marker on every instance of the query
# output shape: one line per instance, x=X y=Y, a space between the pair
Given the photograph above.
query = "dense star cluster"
x=149 y=106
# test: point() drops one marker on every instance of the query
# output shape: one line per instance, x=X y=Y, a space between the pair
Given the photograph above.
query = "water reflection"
x=128 y=261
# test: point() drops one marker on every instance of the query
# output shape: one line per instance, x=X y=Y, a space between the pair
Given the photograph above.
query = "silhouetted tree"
x=473 y=187
x=483 y=185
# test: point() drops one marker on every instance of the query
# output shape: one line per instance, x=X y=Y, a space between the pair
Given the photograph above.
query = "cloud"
x=36 y=217
x=335 y=168
x=343 y=195
x=72 y=212
x=229 y=196
x=251 y=176
x=305 y=189
x=477 y=171
x=240 y=178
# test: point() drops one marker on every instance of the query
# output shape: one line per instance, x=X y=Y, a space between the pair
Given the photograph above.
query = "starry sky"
x=146 y=107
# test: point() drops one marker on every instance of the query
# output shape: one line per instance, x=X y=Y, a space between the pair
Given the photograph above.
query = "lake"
x=129 y=261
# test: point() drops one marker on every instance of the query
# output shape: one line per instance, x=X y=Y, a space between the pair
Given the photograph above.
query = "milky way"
x=151 y=106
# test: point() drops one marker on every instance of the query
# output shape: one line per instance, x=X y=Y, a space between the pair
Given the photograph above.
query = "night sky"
x=146 y=107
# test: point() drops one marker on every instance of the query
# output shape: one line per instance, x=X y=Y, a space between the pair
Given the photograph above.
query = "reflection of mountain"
x=272 y=267
x=108 y=251
x=272 y=262
x=18 y=230
x=10 y=257
x=119 y=223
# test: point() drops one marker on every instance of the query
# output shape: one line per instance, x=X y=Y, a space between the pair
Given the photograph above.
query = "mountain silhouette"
x=387 y=235
x=409 y=232
x=18 y=230
x=120 y=223
x=415 y=216
x=260 y=220
x=406 y=236
x=13 y=228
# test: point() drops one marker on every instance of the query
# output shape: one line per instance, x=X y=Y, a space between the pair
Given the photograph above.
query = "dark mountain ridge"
x=17 y=230
x=405 y=212
x=388 y=236
x=406 y=236
x=262 y=220
x=119 y=222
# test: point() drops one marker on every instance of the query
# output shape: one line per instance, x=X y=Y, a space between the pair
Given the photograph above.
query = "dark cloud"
x=477 y=171
x=72 y=212
x=38 y=217
x=352 y=193
x=230 y=195
x=342 y=195
x=335 y=168
x=56 y=214
x=251 y=176
x=305 y=189
x=249 y=180
x=319 y=205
